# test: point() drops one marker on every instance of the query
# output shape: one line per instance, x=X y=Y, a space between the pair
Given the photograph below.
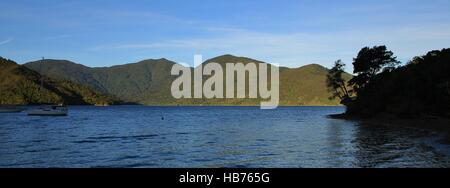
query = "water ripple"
x=135 y=136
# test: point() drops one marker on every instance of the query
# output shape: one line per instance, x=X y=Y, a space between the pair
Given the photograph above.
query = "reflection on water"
x=137 y=136
x=384 y=146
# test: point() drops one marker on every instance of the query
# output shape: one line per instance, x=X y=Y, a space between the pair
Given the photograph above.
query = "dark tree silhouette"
x=421 y=88
x=336 y=84
x=369 y=62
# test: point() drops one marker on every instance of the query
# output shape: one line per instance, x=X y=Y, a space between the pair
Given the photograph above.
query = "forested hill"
x=149 y=81
x=20 y=85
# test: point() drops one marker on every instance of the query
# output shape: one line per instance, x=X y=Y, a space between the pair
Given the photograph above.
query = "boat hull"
x=46 y=113
x=49 y=111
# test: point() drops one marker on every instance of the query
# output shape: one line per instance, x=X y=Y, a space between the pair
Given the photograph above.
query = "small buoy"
x=162 y=118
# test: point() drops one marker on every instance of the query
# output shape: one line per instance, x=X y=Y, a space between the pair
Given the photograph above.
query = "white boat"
x=55 y=110
x=11 y=109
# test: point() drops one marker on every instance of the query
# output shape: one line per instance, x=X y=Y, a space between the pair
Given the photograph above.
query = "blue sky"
x=290 y=33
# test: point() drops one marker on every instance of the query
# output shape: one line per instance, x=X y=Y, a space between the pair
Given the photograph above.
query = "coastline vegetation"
x=383 y=87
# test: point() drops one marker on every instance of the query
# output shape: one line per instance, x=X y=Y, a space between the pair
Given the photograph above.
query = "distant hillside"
x=130 y=82
x=306 y=86
x=149 y=81
x=20 y=85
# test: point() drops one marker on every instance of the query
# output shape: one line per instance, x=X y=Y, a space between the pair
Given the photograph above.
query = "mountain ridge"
x=148 y=81
x=20 y=85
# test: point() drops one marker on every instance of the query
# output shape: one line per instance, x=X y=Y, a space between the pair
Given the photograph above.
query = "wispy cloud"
x=8 y=40
x=304 y=32
x=94 y=17
x=294 y=49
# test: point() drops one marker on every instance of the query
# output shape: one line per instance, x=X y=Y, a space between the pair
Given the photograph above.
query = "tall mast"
x=42 y=76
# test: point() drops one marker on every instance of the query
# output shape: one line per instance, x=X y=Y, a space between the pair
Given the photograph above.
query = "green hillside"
x=149 y=81
x=306 y=86
x=130 y=82
x=20 y=85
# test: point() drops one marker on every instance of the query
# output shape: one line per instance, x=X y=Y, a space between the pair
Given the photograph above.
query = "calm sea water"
x=138 y=136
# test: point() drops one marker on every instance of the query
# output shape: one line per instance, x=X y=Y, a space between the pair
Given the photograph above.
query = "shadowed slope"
x=149 y=81
x=20 y=85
